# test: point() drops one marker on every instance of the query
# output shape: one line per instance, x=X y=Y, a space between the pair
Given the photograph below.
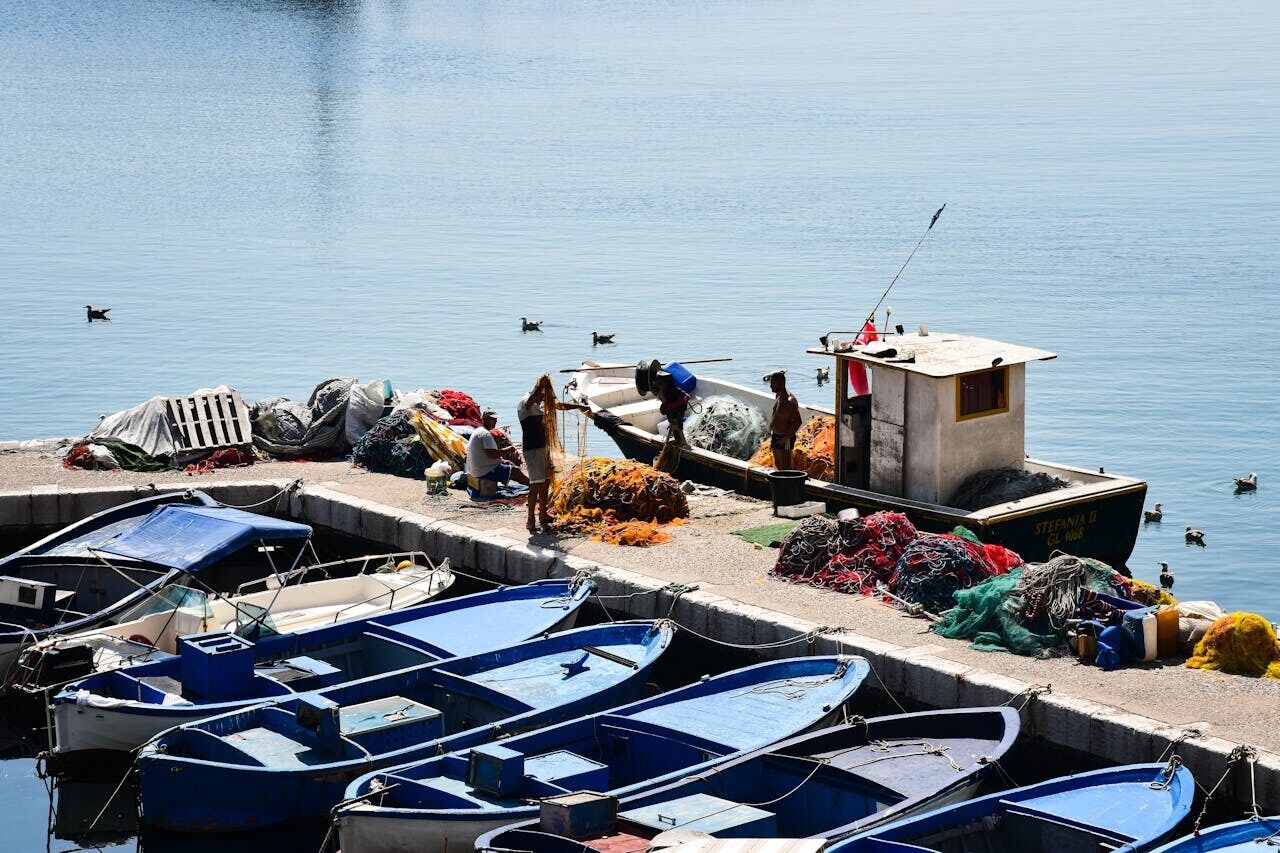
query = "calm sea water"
x=271 y=192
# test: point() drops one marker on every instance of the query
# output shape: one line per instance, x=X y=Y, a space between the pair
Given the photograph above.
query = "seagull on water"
x=597 y=338
x=96 y=313
x=1247 y=484
x=527 y=325
x=1194 y=537
x=824 y=375
x=1154 y=514
x=1166 y=576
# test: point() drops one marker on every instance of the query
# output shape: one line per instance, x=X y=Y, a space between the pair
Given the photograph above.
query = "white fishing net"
x=724 y=424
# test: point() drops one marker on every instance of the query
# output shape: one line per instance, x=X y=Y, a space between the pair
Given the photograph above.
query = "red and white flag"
x=858 y=385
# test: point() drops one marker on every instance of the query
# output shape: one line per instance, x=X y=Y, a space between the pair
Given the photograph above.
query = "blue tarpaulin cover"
x=193 y=537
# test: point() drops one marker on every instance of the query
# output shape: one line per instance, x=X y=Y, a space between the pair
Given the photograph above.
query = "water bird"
x=96 y=313
x=1166 y=576
x=1154 y=514
x=1194 y=537
x=597 y=338
x=527 y=325
x=824 y=375
x=1247 y=484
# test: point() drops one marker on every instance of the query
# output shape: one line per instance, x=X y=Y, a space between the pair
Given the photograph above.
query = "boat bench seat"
x=630 y=412
x=1041 y=829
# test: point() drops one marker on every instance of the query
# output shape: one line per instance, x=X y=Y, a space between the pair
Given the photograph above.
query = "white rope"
x=296 y=484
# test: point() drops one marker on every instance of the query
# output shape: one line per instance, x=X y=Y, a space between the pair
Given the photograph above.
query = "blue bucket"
x=685 y=380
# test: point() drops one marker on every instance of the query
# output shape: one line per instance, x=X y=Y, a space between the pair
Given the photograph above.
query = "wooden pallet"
x=211 y=420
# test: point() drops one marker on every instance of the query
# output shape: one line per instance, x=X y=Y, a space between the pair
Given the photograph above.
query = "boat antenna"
x=872 y=316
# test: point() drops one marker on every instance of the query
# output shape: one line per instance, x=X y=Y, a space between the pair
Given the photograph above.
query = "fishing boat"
x=937 y=435
x=91 y=572
x=292 y=759
x=1242 y=836
x=1128 y=808
x=286 y=603
x=445 y=803
x=217 y=672
x=827 y=785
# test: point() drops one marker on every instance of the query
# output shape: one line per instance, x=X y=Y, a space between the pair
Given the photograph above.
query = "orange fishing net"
x=636 y=533
x=815 y=450
x=621 y=501
x=1240 y=643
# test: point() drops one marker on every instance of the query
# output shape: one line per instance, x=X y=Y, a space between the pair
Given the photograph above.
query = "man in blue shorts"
x=484 y=460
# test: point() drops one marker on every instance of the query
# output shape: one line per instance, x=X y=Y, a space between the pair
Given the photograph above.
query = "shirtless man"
x=785 y=422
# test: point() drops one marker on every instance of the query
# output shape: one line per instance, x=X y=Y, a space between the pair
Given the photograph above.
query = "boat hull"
x=1244 y=836
x=1103 y=526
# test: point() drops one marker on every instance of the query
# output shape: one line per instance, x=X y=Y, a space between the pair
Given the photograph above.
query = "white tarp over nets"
x=148 y=427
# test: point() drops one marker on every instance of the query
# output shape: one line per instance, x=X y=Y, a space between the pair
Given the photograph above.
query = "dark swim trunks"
x=777 y=441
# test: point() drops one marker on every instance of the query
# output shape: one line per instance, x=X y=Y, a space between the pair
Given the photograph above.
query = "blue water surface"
x=271 y=192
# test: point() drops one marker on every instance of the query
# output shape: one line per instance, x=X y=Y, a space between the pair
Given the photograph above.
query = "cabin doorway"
x=853 y=432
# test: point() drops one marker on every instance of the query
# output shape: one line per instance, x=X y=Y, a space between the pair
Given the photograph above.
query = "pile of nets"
x=1026 y=610
x=937 y=565
x=998 y=485
x=806 y=552
x=599 y=493
x=1239 y=643
x=225 y=457
x=884 y=552
x=727 y=425
x=462 y=407
x=815 y=450
x=284 y=427
x=392 y=446
x=868 y=551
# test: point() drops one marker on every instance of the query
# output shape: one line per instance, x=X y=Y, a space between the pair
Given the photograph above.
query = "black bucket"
x=787 y=487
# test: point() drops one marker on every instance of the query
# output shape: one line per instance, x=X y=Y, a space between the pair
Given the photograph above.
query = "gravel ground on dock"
x=704 y=553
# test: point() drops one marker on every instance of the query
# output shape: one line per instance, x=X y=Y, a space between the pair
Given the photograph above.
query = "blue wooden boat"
x=216 y=673
x=1242 y=836
x=90 y=572
x=828 y=784
x=1128 y=808
x=292 y=759
x=447 y=802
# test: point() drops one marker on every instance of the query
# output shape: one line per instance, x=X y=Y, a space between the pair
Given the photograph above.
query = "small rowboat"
x=92 y=572
x=445 y=803
x=286 y=603
x=218 y=672
x=1128 y=808
x=825 y=785
x=288 y=760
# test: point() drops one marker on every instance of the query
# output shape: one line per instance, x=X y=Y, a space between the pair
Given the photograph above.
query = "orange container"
x=1167 y=631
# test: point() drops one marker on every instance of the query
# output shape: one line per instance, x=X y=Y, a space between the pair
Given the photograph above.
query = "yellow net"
x=815 y=450
x=440 y=441
x=1149 y=593
x=1239 y=643
x=605 y=496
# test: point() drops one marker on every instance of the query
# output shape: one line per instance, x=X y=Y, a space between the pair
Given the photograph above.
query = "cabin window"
x=26 y=595
x=985 y=392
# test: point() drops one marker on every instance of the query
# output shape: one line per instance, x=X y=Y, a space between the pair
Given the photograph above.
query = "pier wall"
x=914 y=674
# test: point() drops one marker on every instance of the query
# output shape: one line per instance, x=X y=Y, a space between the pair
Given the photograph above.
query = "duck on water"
x=925 y=416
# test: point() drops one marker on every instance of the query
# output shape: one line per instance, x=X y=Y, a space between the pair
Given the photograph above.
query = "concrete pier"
x=717 y=586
